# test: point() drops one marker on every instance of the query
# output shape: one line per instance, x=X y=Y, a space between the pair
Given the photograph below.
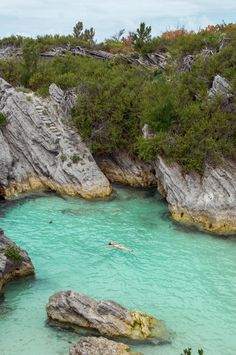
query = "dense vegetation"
x=115 y=100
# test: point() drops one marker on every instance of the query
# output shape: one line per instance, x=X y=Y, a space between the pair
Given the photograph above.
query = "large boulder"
x=38 y=150
x=14 y=262
x=75 y=310
x=100 y=346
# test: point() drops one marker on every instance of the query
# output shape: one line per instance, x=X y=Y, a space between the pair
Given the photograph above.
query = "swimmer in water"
x=118 y=246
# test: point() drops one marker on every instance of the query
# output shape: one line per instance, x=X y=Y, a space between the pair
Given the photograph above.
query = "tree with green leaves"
x=86 y=35
x=141 y=36
x=78 y=29
x=30 y=57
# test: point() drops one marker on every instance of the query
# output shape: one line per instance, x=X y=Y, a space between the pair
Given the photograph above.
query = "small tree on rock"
x=30 y=56
x=86 y=34
x=141 y=36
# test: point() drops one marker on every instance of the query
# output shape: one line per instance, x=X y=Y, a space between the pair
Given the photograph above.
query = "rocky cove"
x=40 y=149
x=132 y=141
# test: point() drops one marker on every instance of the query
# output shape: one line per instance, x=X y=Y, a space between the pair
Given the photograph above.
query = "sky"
x=38 y=17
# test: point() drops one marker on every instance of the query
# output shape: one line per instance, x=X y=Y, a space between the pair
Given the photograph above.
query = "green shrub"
x=63 y=157
x=13 y=253
x=75 y=158
x=3 y=120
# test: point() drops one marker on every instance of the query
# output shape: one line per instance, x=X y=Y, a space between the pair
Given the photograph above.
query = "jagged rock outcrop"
x=38 y=150
x=156 y=59
x=220 y=86
x=14 y=262
x=9 y=51
x=188 y=62
x=64 y=99
x=76 y=310
x=100 y=346
x=124 y=169
x=208 y=201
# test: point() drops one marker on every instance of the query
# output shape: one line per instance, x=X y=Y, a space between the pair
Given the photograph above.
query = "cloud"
x=108 y=16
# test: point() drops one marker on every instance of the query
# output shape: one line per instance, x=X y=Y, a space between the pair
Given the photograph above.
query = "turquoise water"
x=184 y=277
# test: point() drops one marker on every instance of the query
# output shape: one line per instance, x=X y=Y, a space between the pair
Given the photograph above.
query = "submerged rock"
x=123 y=169
x=208 y=201
x=75 y=310
x=14 y=262
x=38 y=150
x=100 y=346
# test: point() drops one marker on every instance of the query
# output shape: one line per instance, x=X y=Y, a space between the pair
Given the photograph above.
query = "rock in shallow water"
x=100 y=346
x=14 y=262
x=75 y=310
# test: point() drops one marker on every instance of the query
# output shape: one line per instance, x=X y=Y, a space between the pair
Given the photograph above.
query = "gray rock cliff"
x=122 y=168
x=38 y=150
x=208 y=201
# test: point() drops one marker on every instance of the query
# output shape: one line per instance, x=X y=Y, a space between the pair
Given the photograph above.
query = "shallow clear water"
x=184 y=277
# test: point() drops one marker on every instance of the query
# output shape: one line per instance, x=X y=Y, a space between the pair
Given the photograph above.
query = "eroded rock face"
x=38 y=150
x=124 y=169
x=208 y=201
x=75 y=310
x=100 y=346
x=14 y=262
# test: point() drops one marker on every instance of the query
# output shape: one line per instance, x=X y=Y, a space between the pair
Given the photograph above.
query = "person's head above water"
x=110 y=243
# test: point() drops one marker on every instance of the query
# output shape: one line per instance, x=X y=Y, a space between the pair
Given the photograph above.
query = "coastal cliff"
x=38 y=150
x=208 y=200
x=123 y=169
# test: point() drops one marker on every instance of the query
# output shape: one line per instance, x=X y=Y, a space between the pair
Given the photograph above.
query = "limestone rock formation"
x=156 y=59
x=38 y=150
x=64 y=99
x=9 y=51
x=14 y=262
x=208 y=201
x=100 y=346
x=75 y=310
x=220 y=86
x=124 y=169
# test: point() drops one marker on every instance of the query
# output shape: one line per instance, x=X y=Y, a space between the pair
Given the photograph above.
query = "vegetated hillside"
x=115 y=99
